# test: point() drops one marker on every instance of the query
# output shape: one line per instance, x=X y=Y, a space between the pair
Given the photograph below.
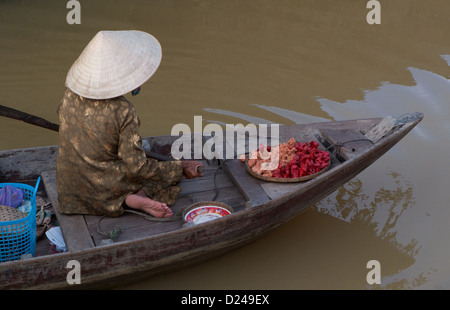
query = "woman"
x=101 y=166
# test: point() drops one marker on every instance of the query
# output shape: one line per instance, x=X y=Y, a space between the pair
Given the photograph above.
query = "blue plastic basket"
x=18 y=237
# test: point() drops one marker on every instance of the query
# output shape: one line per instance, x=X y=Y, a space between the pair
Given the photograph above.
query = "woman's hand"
x=192 y=169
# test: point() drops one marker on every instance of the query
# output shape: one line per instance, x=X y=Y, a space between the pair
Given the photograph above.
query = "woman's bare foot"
x=142 y=202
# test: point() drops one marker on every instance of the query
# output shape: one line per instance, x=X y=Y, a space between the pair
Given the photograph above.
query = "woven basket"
x=10 y=214
x=17 y=229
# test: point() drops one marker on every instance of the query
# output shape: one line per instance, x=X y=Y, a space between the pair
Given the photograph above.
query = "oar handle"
x=27 y=118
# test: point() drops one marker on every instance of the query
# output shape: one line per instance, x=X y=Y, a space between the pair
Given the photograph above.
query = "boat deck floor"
x=85 y=231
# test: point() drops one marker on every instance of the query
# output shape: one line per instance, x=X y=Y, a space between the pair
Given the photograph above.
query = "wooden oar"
x=38 y=121
x=27 y=118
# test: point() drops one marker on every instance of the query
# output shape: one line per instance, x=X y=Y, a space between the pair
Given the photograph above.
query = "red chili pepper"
x=308 y=159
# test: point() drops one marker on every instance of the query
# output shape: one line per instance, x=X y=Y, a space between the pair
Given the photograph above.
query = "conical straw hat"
x=114 y=63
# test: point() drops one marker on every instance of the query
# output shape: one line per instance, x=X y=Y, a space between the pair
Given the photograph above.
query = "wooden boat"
x=146 y=248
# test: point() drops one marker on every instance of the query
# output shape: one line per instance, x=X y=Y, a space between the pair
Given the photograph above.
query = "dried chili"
x=299 y=159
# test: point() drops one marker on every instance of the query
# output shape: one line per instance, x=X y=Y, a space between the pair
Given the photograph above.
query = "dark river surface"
x=284 y=61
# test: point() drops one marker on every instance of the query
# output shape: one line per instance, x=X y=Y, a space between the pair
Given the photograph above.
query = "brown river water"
x=284 y=61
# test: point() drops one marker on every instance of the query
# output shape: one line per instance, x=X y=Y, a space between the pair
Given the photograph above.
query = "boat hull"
x=122 y=262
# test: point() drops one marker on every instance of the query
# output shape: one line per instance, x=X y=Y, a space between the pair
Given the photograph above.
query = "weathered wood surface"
x=249 y=186
x=81 y=231
x=26 y=164
x=199 y=189
x=73 y=227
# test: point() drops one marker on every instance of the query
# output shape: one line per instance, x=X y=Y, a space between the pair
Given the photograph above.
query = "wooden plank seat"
x=249 y=186
x=73 y=227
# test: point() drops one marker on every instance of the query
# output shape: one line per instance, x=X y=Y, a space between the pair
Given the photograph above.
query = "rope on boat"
x=117 y=229
x=340 y=145
x=113 y=234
